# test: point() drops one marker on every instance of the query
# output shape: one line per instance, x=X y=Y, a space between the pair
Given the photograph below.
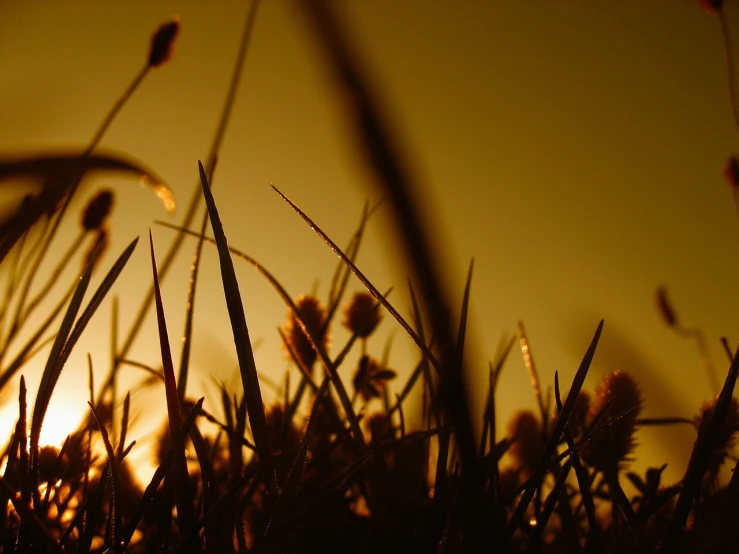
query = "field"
x=351 y=457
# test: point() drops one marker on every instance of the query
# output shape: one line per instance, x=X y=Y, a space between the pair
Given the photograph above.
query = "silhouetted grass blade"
x=583 y=480
x=183 y=498
x=115 y=472
x=244 y=353
x=157 y=479
x=551 y=445
x=704 y=447
x=366 y=282
x=53 y=368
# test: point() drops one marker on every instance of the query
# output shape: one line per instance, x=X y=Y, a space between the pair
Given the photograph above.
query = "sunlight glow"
x=62 y=418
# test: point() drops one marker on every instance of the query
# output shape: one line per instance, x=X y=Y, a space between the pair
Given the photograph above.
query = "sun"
x=63 y=416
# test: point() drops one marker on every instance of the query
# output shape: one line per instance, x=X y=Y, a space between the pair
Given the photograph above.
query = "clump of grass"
x=332 y=465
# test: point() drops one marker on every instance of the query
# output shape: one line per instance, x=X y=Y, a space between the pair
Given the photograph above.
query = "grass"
x=332 y=465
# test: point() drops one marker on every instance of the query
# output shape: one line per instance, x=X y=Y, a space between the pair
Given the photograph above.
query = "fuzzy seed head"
x=51 y=467
x=611 y=446
x=162 y=42
x=525 y=431
x=313 y=315
x=731 y=172
x=665 y=308
x=726 y=436
x=361 y=316
x=97 y=210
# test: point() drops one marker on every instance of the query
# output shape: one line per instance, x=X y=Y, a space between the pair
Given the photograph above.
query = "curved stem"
x=197 y=193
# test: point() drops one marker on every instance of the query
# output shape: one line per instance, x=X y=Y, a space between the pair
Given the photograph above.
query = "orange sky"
x=575 y=149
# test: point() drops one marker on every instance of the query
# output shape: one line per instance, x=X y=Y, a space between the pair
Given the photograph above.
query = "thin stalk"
x=192 y=207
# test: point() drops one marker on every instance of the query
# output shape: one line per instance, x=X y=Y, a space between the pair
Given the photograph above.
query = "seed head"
x=665 y=308
x=162 y=42
x=731 y=172
x=726 y=436
x=314 y=316
x=611 y=446
x=97 y=210
x=361 y=315
x=525 y=431
x=51 y=466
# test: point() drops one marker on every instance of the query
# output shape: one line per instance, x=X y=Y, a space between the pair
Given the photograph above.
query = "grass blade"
x=53 y=367
x=583 y=480
x=124 y=423
x=190 y=304
x=551 y=502
x=29 y=518
x=366 y=282
x=115 y=472
x=183 y=500
x=704 y=448
x=194 y=203
x=244 y=352
x=533 y=374
x=551 y=445
x=156 y=480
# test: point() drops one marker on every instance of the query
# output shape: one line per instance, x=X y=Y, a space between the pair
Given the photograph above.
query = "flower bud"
x=97 y=210
x=665 y=308
x=162 y=42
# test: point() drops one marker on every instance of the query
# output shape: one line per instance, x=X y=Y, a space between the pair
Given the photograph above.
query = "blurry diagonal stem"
x=387 y=166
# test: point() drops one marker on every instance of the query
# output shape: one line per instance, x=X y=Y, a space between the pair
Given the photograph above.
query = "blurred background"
x=574 y=149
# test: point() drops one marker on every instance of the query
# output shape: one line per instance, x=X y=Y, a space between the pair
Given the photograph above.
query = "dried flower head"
x=665 y=308
x=727 y=434
x=97 y=210
x=50 y=465
x=162 y=42
x=711 y=6
x=731 y=172
x=525 y=433
x=370 y=378
x=620 y=393
x=314 y=317
x=361 y=315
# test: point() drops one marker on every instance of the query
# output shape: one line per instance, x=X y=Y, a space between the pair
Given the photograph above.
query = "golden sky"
x=575 y=149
